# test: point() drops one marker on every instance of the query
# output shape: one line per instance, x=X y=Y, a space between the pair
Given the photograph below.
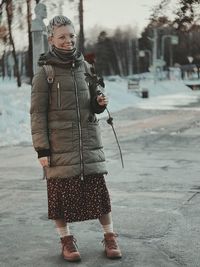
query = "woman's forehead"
x=67 y=29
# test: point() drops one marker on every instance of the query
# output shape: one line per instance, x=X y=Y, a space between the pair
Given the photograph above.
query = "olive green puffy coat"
x=63 y=122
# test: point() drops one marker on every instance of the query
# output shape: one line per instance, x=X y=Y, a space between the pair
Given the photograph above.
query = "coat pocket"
x=94 y=136
x=61 y=137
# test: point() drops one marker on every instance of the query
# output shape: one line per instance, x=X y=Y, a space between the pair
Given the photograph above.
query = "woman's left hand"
x=102 y=100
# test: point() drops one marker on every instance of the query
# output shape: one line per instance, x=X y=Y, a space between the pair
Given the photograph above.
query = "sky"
x=103 y=15
x=113 y=13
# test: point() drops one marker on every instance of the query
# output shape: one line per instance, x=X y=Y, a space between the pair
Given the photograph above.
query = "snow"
x=14 y=113
x=168 y=95
x=15 y=103
x=162 y=95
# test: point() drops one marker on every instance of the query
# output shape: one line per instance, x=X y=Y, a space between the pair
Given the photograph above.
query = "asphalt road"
x=155 y=199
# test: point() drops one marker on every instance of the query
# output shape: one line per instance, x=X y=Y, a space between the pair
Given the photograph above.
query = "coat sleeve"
x=96 y=108
x=39 y=113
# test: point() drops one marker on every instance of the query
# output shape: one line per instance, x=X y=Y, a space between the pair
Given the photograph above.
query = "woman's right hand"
x=44 y=161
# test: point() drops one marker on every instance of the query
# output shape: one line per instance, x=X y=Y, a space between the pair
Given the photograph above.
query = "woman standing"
x=66 y=136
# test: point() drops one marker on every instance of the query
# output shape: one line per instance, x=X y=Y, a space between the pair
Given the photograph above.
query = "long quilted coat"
x=63 y=122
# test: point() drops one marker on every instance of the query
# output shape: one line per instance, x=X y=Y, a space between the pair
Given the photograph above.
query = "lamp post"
x=174 y=41
x=150 y=55
x=154 y=56
x=190 y=59
x=137 y=56
x=147 y=51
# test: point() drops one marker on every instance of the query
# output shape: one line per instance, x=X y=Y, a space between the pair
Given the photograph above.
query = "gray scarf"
x=65 y=55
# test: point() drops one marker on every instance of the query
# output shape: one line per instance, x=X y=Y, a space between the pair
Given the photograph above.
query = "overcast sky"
x=113 y=13
x=105 y=14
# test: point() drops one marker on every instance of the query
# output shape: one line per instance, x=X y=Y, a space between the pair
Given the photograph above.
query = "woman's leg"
x=62 y=228
x=106 y=222
x=60 y=223
x=112 y=249
x=69 y=247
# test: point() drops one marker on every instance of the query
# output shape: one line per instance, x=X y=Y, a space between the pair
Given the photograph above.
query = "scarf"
x=65 y=55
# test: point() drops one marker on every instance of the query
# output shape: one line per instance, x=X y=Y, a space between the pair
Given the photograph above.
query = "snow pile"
x=162 y=95
x=15 y=103
x=168 y=95
x=119 y=97
x=14 y=113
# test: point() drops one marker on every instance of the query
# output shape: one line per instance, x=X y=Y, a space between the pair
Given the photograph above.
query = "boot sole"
x=113 y=257
x=72 y=260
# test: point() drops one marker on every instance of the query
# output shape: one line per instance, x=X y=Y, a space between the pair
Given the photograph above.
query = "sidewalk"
x=155 y=199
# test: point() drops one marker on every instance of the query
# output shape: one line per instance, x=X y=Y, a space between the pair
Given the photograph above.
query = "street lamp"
x=142 y=54
x=154 y=50
x=174 y=41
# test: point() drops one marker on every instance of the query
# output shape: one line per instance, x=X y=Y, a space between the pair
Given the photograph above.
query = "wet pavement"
x=155 y=199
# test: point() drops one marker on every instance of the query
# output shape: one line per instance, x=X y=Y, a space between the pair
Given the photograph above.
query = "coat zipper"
x=79 y=122
x=58 y=95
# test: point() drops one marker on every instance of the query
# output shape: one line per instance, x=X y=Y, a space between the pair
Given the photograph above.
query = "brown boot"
x=112 y=249
x=69 y=248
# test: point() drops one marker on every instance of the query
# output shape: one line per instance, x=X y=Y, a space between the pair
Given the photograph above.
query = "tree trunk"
x=9 y=19
x=30 y=46
x=81 y=34
x=3 y=65
x=130 y=57
x=119 y=63
x=137 y=58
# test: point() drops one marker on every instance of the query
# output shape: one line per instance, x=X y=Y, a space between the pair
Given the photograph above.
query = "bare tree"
x=159 y=9
x=81 y=33
x=3 y=40
x=187 y=13
x=9 y=13
x=81 y=40
x=30 y=46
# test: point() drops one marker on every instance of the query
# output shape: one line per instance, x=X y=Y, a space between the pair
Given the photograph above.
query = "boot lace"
x=110 y=243
x=69 y=243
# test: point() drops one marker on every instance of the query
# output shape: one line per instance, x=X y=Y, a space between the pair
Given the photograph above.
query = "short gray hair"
x=58 y=21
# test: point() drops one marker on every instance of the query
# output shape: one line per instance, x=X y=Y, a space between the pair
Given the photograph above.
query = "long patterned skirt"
x=74 y=200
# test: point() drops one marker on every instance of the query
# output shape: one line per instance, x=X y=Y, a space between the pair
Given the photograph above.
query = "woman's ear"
x=50 y=40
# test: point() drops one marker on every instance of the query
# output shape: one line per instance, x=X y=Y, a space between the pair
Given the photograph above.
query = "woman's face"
x=63 y=37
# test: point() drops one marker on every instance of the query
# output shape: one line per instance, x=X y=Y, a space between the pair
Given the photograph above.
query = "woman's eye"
x=71 y=36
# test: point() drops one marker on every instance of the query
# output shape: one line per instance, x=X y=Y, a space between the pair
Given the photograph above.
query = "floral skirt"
x=75 y=200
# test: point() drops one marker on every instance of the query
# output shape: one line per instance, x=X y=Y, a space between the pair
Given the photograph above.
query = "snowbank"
x=15 y=103
x=168 y=95
x=162 y=95
x=14 y=110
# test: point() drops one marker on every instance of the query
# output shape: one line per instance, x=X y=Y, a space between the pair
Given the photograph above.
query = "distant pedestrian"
x=67 y=138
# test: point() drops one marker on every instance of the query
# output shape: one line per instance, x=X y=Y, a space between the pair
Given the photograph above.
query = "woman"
x=66 y=136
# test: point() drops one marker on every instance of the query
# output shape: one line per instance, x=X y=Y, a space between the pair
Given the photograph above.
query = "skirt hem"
x=79 y=220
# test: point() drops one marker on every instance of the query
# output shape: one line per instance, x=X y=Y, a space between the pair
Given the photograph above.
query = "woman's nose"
x=67 y=39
